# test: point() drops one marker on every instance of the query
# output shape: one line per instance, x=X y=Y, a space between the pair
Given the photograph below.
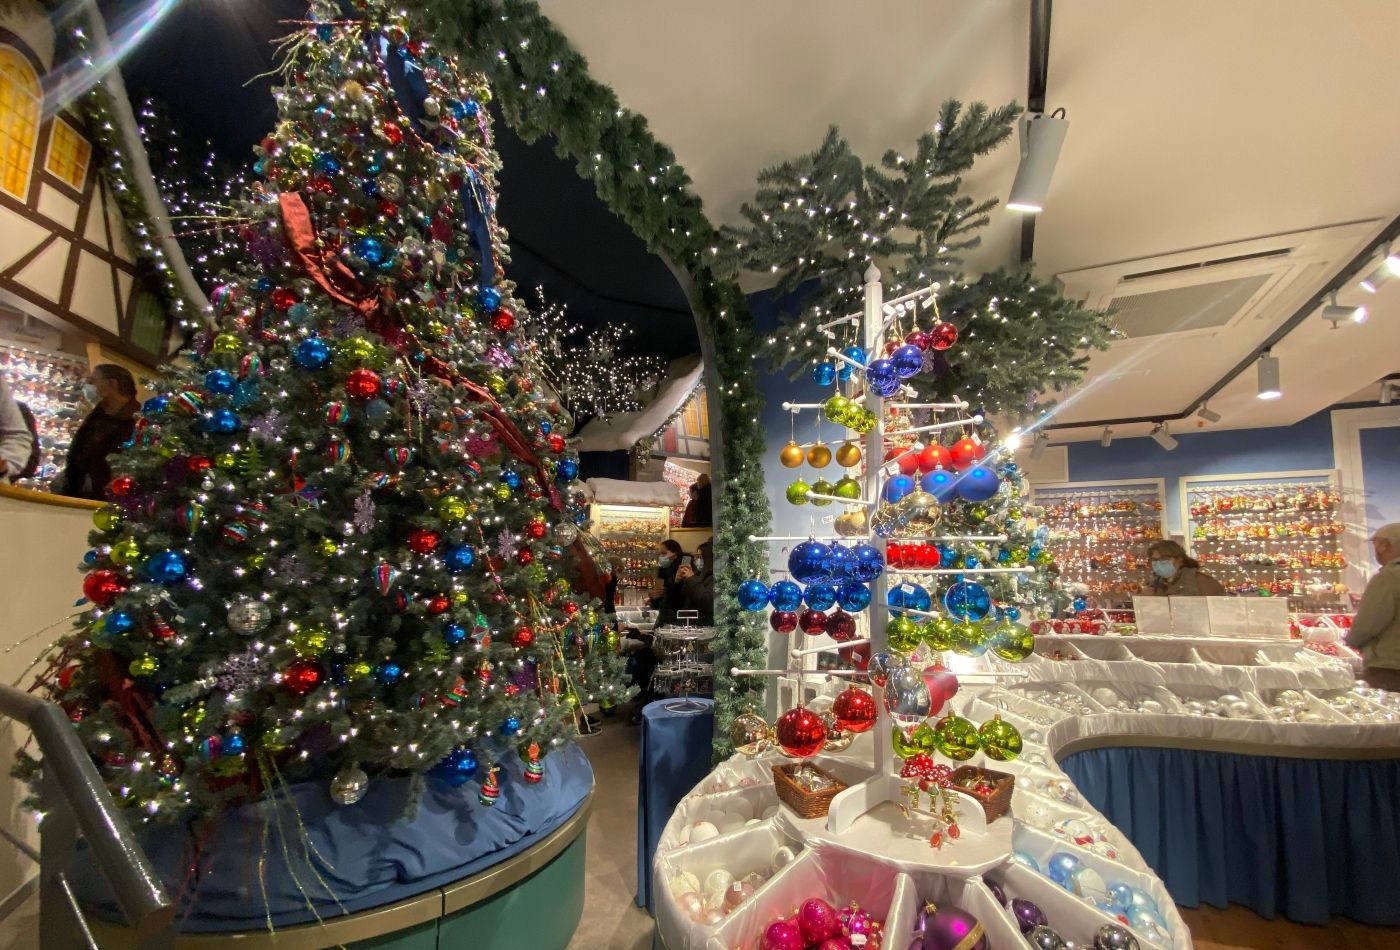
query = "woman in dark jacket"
x=106 y=429
x=1176 y=574
x=672 y=597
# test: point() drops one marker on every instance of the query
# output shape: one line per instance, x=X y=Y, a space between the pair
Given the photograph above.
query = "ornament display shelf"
x=1100 y=531
x=50 y=384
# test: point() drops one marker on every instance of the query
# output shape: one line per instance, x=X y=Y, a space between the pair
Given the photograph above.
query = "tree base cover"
x=300 y=857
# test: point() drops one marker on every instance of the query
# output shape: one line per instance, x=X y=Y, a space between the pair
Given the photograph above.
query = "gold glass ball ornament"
x=848 y=455
x=792 y=455
x=749 y=733
x=922 y=510
x=819 y=456
x=851 y=524
x=837 y=739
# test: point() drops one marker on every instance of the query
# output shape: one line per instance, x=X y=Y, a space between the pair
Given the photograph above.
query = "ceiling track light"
x=1339 y=314
x=1388 y=267
x=1039 y=444
x=1208 y=414
x=1269 y=385
x=1107 y=438
x=1042 y=136
x=1162 y=437
x=1387 y=392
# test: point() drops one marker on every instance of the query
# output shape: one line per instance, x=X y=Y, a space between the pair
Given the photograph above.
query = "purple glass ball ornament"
x=996 y=890
x=1028 y=914
x=950 y=928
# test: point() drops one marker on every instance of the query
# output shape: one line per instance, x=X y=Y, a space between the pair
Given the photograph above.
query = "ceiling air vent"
x=1185 y=308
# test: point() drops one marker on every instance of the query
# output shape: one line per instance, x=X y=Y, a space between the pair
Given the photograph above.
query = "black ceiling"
x=199 y=60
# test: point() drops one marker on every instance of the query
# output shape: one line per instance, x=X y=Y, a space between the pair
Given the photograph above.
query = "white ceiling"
x=1192 y=124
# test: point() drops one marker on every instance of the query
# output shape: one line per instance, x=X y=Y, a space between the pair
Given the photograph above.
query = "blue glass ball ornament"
x=855 y=354
x=1120 y=896
x=908 y=360
x=807 y=562
x=870 y=564
x=466 y=109
x=824 y=374
x=1148 y=923
x=1034 y=550
x=1060 y=866
x=118 y=622
x=453 y=633
x=785 y=595
x=940 y=485
x=546 y=427
x=896 y=487
x=376 y=410
x=219 y=381
x=853 y=596
x=967 y=600
x=234 y=743
x=489 y=299
x=313 y=354
x=220 y=421
x=1013 y=613
x=978 y=483
x=511 y=477
x=456 y=768
x=370 y=250
x=155 y=405
x=458 y=558
x=913 y=596
x=299 y=314
x=820 y=596
x=970 y=560
x=511 y=726
x=387 y=673
x=167 y=567
x=263 y=285
x=325 y=32
x=753 y=595
x=1003 y=556
x=90 y=557
x=880 y=372
x=567 y=470
x=842 y=563
x=370 y=187
x=1141 y=898
x=1025 y=860
x=326 y=163
x=1080 y=605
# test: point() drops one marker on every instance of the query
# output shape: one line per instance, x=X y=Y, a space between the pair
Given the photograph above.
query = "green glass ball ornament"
x=227 y=343
x=192 y=717
x=1012 y=642
x=1019 y=556
x=451 y=508
x=144 y=666
x=999 y=739
x=902 y=635
x=301 y=154
x=837 y=409
x=937 y=632
x=309 y=641
x=501 y=492
x=822 y=487
x=847 y=487
x=968 y=639
x=107 y=518
x=956 y=738
x=797 y=492
x=126 y=551
x=920 y=741
x=1044 y=558
x=977 y=513
x=356 y=350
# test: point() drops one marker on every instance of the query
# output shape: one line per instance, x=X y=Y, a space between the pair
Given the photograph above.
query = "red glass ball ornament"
x=302 y=677
x=927 y=556
x=536 y=529
x=423 y=540
x=392 y=132
x=522 y=638
x=362 y=384
x=283 y=298
x=934 y=457
x=942 y=336
x=438 y=604
x=103 y=587
x=801 y=732
x=783 y=621
x=121 y=486
x=858 y=655
x=966 y=452
x=908 y=461
x=524 y=556
x=570 y=608
x=894 y=554
x=854 y=710
x=388 y=209
x=917 y=338
x=197 y=464
x=942 y=686
x=323 y=185
x=840 y=626
x=65 y=676
x=270 y=145
x=812 y=622
x=503 y=321
x=556 y=442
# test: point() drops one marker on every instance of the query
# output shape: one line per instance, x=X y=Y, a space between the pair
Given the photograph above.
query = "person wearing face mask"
x=700 y=584
x=1174 y=574
x=670 y=597
x=1375 y=630
x=112 y=390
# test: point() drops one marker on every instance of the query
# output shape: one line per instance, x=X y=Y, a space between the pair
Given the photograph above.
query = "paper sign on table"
x=1268 y=618
x=1153 y=615
x=1190 y=616
x=1229 y=616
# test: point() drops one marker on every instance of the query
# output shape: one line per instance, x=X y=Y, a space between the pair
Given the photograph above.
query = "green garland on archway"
x=544 y=88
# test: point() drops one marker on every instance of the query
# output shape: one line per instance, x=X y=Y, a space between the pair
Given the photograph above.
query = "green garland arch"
x=543 y=87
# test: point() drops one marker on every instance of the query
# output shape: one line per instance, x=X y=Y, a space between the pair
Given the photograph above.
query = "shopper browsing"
x=113 y=391
x=1375 y=630
x=670 y=596
x=16 y=440
x=1174 y=574
x=699 y=583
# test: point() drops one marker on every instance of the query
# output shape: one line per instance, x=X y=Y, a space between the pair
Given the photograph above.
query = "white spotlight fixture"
x=1041 y=138
x=1208 y=414
x=1162 y=437
x=1039 y=444
x=1339 y=314
x=1387 y=392
x=1388 y=267
x=1107 y=438
x=1269 y=387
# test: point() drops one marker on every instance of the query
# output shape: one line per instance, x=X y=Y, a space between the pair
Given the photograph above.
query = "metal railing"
x=73 y=799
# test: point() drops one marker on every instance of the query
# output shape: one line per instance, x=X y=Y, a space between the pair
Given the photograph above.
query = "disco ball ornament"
x=456 y=768
x=902 y=634
x=801 y=732
x=1011 y=641
x=956 y=738
x=942 y=336
x=808 y=562
x=967 y=600
x=785 y=595
x=749 y=733
x=782 y=621
x=812 y=622
x=951 y=928
x=870 y=563
x=896 y=487
x=1000 y=740
x=792 y=455
x=819 y=597
x=248 y=615
x=797 y=492
x=824 y=374
x=753 y=595
x=854 y=710
x=853 y=596
x=908 y=360
x=819 y=456
x=912 y=596
x=978 y=483
x=349 y=786
x=848 y=455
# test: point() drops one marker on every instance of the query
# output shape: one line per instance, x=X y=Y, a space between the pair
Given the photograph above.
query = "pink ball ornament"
x=818 y=921
x=783 y=935
x=692 y=904
x=737 y=893
x=861 y=924
x=835 y=943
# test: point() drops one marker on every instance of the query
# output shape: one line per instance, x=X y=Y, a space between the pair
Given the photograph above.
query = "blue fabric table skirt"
x=1302 y=838
x=676 y=755
x=308 y=856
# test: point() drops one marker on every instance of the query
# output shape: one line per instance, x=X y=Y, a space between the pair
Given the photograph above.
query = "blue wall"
x=1380 y=468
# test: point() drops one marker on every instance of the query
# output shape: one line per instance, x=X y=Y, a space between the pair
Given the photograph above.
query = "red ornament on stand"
x=801 y=732
x=840 y=626
x=812 y=622
x=966 y=452
x=942 y=687
x=783 y=621
x=934 y=456
x=908 y=459
x=942 y=336
x=854 y=710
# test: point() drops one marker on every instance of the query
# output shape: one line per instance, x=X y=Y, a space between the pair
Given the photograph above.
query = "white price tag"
x=907 y=588
x=829 y=519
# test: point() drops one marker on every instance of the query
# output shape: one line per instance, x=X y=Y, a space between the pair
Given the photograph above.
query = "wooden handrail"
x=47 y=498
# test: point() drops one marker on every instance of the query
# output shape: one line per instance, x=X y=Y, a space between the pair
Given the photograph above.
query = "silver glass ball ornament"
x=349 y=786
x=1113 y=937
x=1043 y=938
x=247 y=615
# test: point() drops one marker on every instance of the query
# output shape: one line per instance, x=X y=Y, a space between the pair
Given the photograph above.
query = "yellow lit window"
x=68 y=154
x=19 y=121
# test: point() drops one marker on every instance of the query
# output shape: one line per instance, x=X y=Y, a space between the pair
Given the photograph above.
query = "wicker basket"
x=995 y=804
x=806 y=803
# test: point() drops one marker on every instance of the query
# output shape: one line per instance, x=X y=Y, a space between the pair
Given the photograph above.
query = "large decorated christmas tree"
x=342 y=542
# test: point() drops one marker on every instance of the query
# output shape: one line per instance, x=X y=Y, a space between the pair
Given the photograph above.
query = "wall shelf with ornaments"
x=1100 y=532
